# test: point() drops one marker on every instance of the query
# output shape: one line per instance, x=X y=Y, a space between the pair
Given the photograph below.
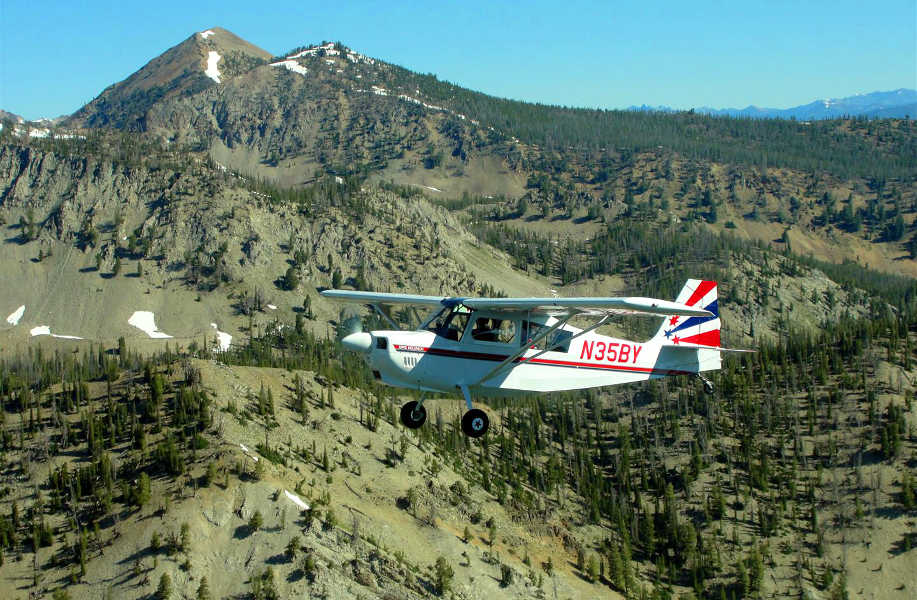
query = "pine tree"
x=293 y=547
x=616 y=567
x=907 y=490
x=164 y=591
x=506 y=575
x=211 y=475
x=290 y=279
x=592 y=568
x=203 y=590
x=442 y=576
x=255 y=522
x=185 y=543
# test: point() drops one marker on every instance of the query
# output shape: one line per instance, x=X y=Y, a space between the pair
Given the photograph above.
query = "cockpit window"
x=530 y=331
x=557 y=341
x=450 y=323
x=487 y=329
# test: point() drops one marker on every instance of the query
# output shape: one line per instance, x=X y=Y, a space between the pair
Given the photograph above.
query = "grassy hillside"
x=796 y=476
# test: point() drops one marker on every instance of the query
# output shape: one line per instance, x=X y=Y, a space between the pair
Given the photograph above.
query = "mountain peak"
x=198 y=61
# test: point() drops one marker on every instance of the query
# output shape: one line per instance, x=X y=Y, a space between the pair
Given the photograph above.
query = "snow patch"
x=272 y=307
x=212 y=71
x=291 y=65
x=328 y=48
x=145 y=321
x=407 y=98
x=248 y=453
x=13 y=319
x=296 y=500
x=45 y=330
x=42 y=132
x=206 y=34
x=224 y=338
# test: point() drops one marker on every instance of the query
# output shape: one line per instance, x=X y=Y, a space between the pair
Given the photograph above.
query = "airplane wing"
x=384 y=298
x=552 y=306
x=595 y=306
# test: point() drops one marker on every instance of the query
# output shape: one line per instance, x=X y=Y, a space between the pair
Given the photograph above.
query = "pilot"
x=492 y=333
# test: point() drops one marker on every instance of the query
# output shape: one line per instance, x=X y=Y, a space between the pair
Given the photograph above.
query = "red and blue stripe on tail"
x=695 y=331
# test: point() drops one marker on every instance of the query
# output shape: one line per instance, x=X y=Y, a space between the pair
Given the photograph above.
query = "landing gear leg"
x=474 y=422
x=413 y=414
x=708 y=385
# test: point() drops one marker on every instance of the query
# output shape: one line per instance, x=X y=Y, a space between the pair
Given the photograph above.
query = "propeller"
x=353 y=337
x=351 y=325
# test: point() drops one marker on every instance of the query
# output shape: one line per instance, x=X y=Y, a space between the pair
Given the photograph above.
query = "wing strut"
x=593 y=327
x=386 y=317
x=525 y=346
x=537 y=339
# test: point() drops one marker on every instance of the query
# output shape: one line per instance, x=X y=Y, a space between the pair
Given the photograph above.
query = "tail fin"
x=702 y=331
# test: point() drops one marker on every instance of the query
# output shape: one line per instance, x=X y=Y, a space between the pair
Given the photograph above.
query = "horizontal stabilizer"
x=690 y=346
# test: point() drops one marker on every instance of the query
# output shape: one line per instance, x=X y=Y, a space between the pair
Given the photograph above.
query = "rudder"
x=703 y=331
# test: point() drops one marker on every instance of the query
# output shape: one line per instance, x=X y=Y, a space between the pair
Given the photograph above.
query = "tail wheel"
x=475 y=423
x=413 y=415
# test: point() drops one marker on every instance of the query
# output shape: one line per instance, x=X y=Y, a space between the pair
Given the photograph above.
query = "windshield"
x=450 y=323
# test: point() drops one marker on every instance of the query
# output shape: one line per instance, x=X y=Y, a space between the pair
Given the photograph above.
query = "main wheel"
x=412 y=415
x=708 y=387
x=475 y=423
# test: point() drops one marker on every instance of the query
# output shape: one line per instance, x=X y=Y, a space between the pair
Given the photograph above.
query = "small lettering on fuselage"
x=410 y=348
x=611 y=351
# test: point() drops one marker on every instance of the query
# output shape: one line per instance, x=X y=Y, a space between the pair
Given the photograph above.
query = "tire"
x=475 y=423
x=413 y=416
x=708 y=387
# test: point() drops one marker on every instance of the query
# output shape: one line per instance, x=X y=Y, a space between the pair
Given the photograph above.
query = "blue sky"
x=56 y=56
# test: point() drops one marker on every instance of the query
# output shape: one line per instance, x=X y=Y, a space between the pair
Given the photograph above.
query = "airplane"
x=509 y=346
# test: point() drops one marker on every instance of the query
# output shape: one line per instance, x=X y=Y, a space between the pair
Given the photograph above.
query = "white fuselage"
x=426 y=361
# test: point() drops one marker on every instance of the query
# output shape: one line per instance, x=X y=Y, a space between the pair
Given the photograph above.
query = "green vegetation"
x=839 y=147
x=442 y=576
x=674 y=490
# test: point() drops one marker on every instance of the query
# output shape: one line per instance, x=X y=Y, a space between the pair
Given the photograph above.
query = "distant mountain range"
x=894 y=104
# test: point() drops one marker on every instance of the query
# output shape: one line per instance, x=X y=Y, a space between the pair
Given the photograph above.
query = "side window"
x=530 y=331
x=483 y=330
x=559 y=341
x=507 y=332
x=487 y=329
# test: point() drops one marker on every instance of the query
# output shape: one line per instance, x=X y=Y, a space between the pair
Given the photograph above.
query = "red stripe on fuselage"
x=537 y=361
